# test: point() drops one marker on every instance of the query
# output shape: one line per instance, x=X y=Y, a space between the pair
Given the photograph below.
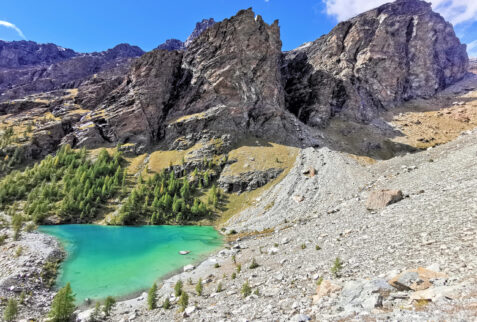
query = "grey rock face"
x=134 y=111
x=372 y=62
x=248 y=181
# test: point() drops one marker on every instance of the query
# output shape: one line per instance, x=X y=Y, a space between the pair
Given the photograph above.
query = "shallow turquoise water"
x=118 y=261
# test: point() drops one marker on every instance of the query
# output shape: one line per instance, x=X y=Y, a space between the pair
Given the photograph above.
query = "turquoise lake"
x=119 y=261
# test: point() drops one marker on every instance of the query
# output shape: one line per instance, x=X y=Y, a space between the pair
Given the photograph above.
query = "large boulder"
x=382 y=198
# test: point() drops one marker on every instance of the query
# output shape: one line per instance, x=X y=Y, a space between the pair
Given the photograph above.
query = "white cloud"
x=12 y=26
x=472 y=48
x=455 y=11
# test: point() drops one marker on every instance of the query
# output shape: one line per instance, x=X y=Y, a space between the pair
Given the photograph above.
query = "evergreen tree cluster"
x=166 y=198
x=11 y=159
x=68 y=185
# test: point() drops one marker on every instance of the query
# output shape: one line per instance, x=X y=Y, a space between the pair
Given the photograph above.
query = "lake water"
x=119 y=261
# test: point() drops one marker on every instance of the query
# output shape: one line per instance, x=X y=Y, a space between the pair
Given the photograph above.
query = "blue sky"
x=97 y=25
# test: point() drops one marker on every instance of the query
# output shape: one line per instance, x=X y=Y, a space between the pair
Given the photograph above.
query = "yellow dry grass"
x=161 y=160
x=188 y=117
x=425 y=125
x=256 y=154
x=265 y=155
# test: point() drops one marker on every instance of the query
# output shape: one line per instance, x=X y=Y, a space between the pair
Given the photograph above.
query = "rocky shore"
x=29 y=266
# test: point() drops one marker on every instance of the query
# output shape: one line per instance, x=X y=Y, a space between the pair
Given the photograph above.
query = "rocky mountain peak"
x=14 y=54
x=200 y=27
x=172 y=44
x=176 y=44
x=122 y=51
x=373 y=62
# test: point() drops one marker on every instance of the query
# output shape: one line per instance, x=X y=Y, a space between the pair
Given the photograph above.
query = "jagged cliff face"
x=232 y=80
x=230 y=73
x=372 y=62
x=27 y=67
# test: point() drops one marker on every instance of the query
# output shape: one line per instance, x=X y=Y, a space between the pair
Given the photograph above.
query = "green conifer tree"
x=151 y=297
x=63 y=306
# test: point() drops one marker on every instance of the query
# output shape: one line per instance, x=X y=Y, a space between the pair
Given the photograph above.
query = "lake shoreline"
x=83 y=305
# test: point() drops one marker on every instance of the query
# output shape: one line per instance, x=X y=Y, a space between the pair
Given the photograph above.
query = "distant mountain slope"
x=27 y=67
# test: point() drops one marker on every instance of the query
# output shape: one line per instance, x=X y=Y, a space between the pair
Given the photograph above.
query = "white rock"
x=273 y=251
x=434 y=267
x=285 y=240
x=189 y=268
x=189 y=310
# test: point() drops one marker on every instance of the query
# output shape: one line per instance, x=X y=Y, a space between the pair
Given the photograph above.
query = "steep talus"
x=373 y=62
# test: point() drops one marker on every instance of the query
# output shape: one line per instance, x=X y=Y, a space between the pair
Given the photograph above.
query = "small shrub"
x=216 y=265
x=234 y=259
x=108 y=305
x=256 y=292
x=96 y=314
x=11 y=310
x=166 y=305
x=337 y=266
x=239 y=268
x=320 y=280
x=17 y=222
x=49 y=272
x=22 y=297
x=3 y=238
x=254 y=264
x=317 y=247
x=234 y=275
x=30 y=227
x=151 y=297
x=19 y=251
x=246 y=290
x=183 y=301
x=199 y=287
x=178 y=288
x=303 y=246
x=275 y=245
x=219 y=287
x=190 y=281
